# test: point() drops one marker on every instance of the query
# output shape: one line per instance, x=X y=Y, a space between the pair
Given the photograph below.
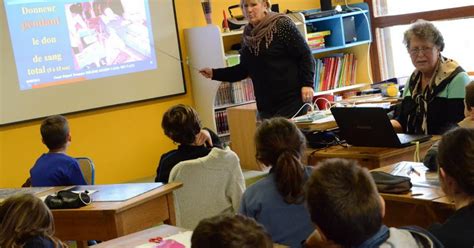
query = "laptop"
x=370 y=126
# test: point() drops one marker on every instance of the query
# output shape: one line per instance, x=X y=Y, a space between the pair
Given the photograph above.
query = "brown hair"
x=456 y=157
x=181 y=124
x=341 y=195
x=55 y=131
x=424 y=30
x=280 y=144
x=230 y=231
x=469 y=95
x=25 y=216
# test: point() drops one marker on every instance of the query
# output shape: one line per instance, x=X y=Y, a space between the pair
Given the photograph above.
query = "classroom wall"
x=125 y=142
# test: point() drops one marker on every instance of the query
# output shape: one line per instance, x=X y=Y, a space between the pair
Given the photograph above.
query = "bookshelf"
x=341 y=49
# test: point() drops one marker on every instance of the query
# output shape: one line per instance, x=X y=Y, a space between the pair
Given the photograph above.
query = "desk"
x=422 y=206
x=142 y=237
x=369 y=157
x=108 y=220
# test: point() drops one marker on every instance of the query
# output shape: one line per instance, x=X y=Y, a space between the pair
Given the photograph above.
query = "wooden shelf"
x=341 y=89
x=232 y=105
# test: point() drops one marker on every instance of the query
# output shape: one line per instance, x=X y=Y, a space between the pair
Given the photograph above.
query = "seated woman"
x=456 y=173
x=277 y=201
x=433 y=96
x=25 y=221
x=182 y=125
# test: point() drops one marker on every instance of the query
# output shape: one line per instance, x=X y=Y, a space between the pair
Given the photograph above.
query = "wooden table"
x=109 y=220
x=142 y=237
x=422 y=206
x=369 y=157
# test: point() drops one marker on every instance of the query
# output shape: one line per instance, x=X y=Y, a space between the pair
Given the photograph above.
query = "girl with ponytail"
x=277 y=201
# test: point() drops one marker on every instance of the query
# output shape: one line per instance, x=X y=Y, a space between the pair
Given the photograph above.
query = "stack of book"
x=336 y=71
x=221 y=122
x=316 y=39
x=235 y=93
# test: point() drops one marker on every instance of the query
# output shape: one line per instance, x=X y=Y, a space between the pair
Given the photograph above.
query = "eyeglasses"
x=424 y=50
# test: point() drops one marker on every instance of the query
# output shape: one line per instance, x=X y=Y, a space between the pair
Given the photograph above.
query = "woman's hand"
x=396 y=126
x=206 y=72
x=307 y=94
x=203 y=138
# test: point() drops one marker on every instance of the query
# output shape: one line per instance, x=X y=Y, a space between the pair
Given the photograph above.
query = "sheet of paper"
x=183 y=238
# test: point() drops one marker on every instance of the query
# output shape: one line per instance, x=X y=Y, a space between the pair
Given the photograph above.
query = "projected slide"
x=60 y=42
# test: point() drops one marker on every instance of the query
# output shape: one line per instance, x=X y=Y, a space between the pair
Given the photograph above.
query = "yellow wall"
x=124 y=142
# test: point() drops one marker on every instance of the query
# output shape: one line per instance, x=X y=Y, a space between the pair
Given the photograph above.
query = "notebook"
x=368 y=126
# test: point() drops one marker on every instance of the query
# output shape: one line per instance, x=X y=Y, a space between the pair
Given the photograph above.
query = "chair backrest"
x=87 y=168
x=212 y=185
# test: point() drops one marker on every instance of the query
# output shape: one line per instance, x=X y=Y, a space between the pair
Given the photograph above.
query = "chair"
x=87 y=168
x=212 y=185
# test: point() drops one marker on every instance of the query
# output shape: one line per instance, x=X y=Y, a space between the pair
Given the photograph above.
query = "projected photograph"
x=103 y=33
x=60 y=42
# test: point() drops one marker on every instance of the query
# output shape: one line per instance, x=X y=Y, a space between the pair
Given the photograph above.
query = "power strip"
x=311 y=116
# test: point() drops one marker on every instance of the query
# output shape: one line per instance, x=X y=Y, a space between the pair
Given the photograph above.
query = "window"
x=390 y=19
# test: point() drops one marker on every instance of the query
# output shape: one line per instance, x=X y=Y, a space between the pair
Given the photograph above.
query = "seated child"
x=347 y=209
x=182 y=125
x=56 y=168
x=456 y=174
x=25 y=221
x=277 y=201
x=230 y=231
x=468 y=122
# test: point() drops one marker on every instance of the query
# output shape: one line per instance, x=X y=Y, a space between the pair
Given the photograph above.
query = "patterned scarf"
x=263 y=31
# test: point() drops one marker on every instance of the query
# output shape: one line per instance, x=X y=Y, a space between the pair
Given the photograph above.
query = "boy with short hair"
x=56 y=168
x=230 y=231
x=181 y=124
x=347 y=209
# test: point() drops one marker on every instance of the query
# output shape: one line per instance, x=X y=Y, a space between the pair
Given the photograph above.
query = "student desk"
x=108 y=220
x=422 y=206
x=369 y=157
x=141 y=237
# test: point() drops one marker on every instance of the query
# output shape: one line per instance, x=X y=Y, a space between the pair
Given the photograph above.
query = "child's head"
x=456 y=162
x=280 y=144
x=24 y=216
x=55 y=132
x=181 y=124
x=231 y=231
x=469 y=99
x=341 y=195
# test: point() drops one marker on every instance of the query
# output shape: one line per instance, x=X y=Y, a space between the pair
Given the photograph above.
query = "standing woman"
x=277 y=201
x=25 y=221
x=456 y=173
x=433 y=96
x=277 y=59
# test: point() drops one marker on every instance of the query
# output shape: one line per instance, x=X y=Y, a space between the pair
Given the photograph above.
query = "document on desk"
x=5 y=193
x=180 y=240
x=117 y=192
x=418 y=173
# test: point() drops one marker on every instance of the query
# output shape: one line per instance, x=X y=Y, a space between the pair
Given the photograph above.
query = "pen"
x=415 y=171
